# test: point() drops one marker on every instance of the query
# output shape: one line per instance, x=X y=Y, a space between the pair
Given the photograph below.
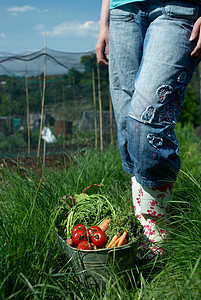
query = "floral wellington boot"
x=150 y=205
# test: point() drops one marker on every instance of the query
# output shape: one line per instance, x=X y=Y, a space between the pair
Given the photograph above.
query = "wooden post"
x=44 y=154
x=10 y=122
x=100 y=108
x=27 y=99
x=43 y=98
x=40 y=84
x=111 y=124
x=74 y=99
x=64 y=123
x=94 y=101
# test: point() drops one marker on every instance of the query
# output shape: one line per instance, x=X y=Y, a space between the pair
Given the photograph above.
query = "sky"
x=69 y=25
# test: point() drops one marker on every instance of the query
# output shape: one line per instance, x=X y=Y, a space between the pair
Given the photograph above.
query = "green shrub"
x=191 y=108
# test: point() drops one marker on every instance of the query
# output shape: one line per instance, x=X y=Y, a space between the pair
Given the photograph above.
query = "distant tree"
x=90 y=62
x=191 y=108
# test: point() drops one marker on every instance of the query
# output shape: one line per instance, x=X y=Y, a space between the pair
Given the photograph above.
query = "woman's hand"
x=103 y=37
x=102 y=46
x=196 y=34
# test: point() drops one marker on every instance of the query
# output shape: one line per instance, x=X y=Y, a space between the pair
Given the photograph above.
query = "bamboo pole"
x=10 y=121
x=74 y=98
x=64 y=123
x=44 y=153
x=40 y=84
x=27 y=99
x=111 y=124
x=43 y=98
x=100 y=108
x=94 y=101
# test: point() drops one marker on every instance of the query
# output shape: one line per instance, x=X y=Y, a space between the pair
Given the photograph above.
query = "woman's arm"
x=196 y=33
x=103 y=37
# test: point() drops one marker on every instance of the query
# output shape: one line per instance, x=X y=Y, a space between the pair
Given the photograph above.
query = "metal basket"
x=95 y=267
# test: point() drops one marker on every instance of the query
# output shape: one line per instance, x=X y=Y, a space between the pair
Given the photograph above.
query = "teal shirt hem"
x=116 y=3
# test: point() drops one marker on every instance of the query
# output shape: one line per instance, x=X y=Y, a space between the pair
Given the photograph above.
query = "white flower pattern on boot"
x=150 y=205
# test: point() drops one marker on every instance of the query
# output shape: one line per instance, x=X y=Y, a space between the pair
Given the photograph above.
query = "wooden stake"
x=111 y=124
x=10 y=121
x=27 y=99
x=100 y=108
x=74 y=97
x=94 y=101
x=43 y=98
x=44 y=154
x=40 y=84
x=64 y=122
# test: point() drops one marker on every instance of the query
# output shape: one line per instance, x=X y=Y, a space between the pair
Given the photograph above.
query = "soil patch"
x=35 y=164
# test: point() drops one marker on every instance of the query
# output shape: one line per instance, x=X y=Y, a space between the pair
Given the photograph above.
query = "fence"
x=66 y=92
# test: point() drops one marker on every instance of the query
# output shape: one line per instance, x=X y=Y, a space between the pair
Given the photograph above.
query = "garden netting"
x=67 y=93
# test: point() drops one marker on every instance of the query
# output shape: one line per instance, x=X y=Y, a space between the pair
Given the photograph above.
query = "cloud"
x=75 y=28
x=39 y=27
x=14 y=10
x=2 y=35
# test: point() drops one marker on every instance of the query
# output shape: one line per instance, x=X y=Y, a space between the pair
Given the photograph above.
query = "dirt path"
x=33 y=164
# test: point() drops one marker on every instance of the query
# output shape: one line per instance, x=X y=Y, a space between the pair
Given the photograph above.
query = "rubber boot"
x=150 y=206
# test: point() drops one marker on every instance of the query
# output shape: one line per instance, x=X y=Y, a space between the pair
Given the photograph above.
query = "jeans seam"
x=189 y=20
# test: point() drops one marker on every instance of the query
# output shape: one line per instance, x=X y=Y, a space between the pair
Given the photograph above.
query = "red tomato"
x=98 y=238
x=85 y=245
x=78 y=227
x=92 y=229
x=78 y=236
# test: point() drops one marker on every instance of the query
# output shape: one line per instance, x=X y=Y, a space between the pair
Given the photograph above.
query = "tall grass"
x=31 y=262
x=180 y=277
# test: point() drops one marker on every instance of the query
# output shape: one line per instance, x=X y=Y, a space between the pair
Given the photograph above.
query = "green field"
x=31 y=262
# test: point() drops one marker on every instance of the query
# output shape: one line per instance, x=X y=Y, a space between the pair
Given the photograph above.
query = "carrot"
x=94 y=246
x=115 y=244
x=104 y=225
x=125 y=242
x=122 y=238
x=115 y=237
x=69 y=242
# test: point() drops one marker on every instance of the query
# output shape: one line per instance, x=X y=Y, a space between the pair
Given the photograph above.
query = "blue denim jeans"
x=149 y=70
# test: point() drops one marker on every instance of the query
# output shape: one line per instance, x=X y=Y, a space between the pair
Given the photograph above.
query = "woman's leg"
x=154 y=70
x=128 y=25
x=164 y=74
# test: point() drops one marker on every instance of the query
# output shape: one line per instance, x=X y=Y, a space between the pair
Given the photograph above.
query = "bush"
x=191 y=109
x=3 y=142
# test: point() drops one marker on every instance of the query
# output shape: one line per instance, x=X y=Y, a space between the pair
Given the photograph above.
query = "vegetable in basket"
x=87 y=212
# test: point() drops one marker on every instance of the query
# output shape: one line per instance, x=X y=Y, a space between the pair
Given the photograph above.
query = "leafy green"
x=88 y=210
x=92 y=210
x=124 y=221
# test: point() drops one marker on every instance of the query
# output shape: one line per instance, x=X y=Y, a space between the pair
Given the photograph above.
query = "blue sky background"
x=71 y=25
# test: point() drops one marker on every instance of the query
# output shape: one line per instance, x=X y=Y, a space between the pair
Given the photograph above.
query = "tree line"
x=74 y=91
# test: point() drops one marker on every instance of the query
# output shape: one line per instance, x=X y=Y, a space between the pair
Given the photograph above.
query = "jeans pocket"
x=120 y=15
x=181 y=10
